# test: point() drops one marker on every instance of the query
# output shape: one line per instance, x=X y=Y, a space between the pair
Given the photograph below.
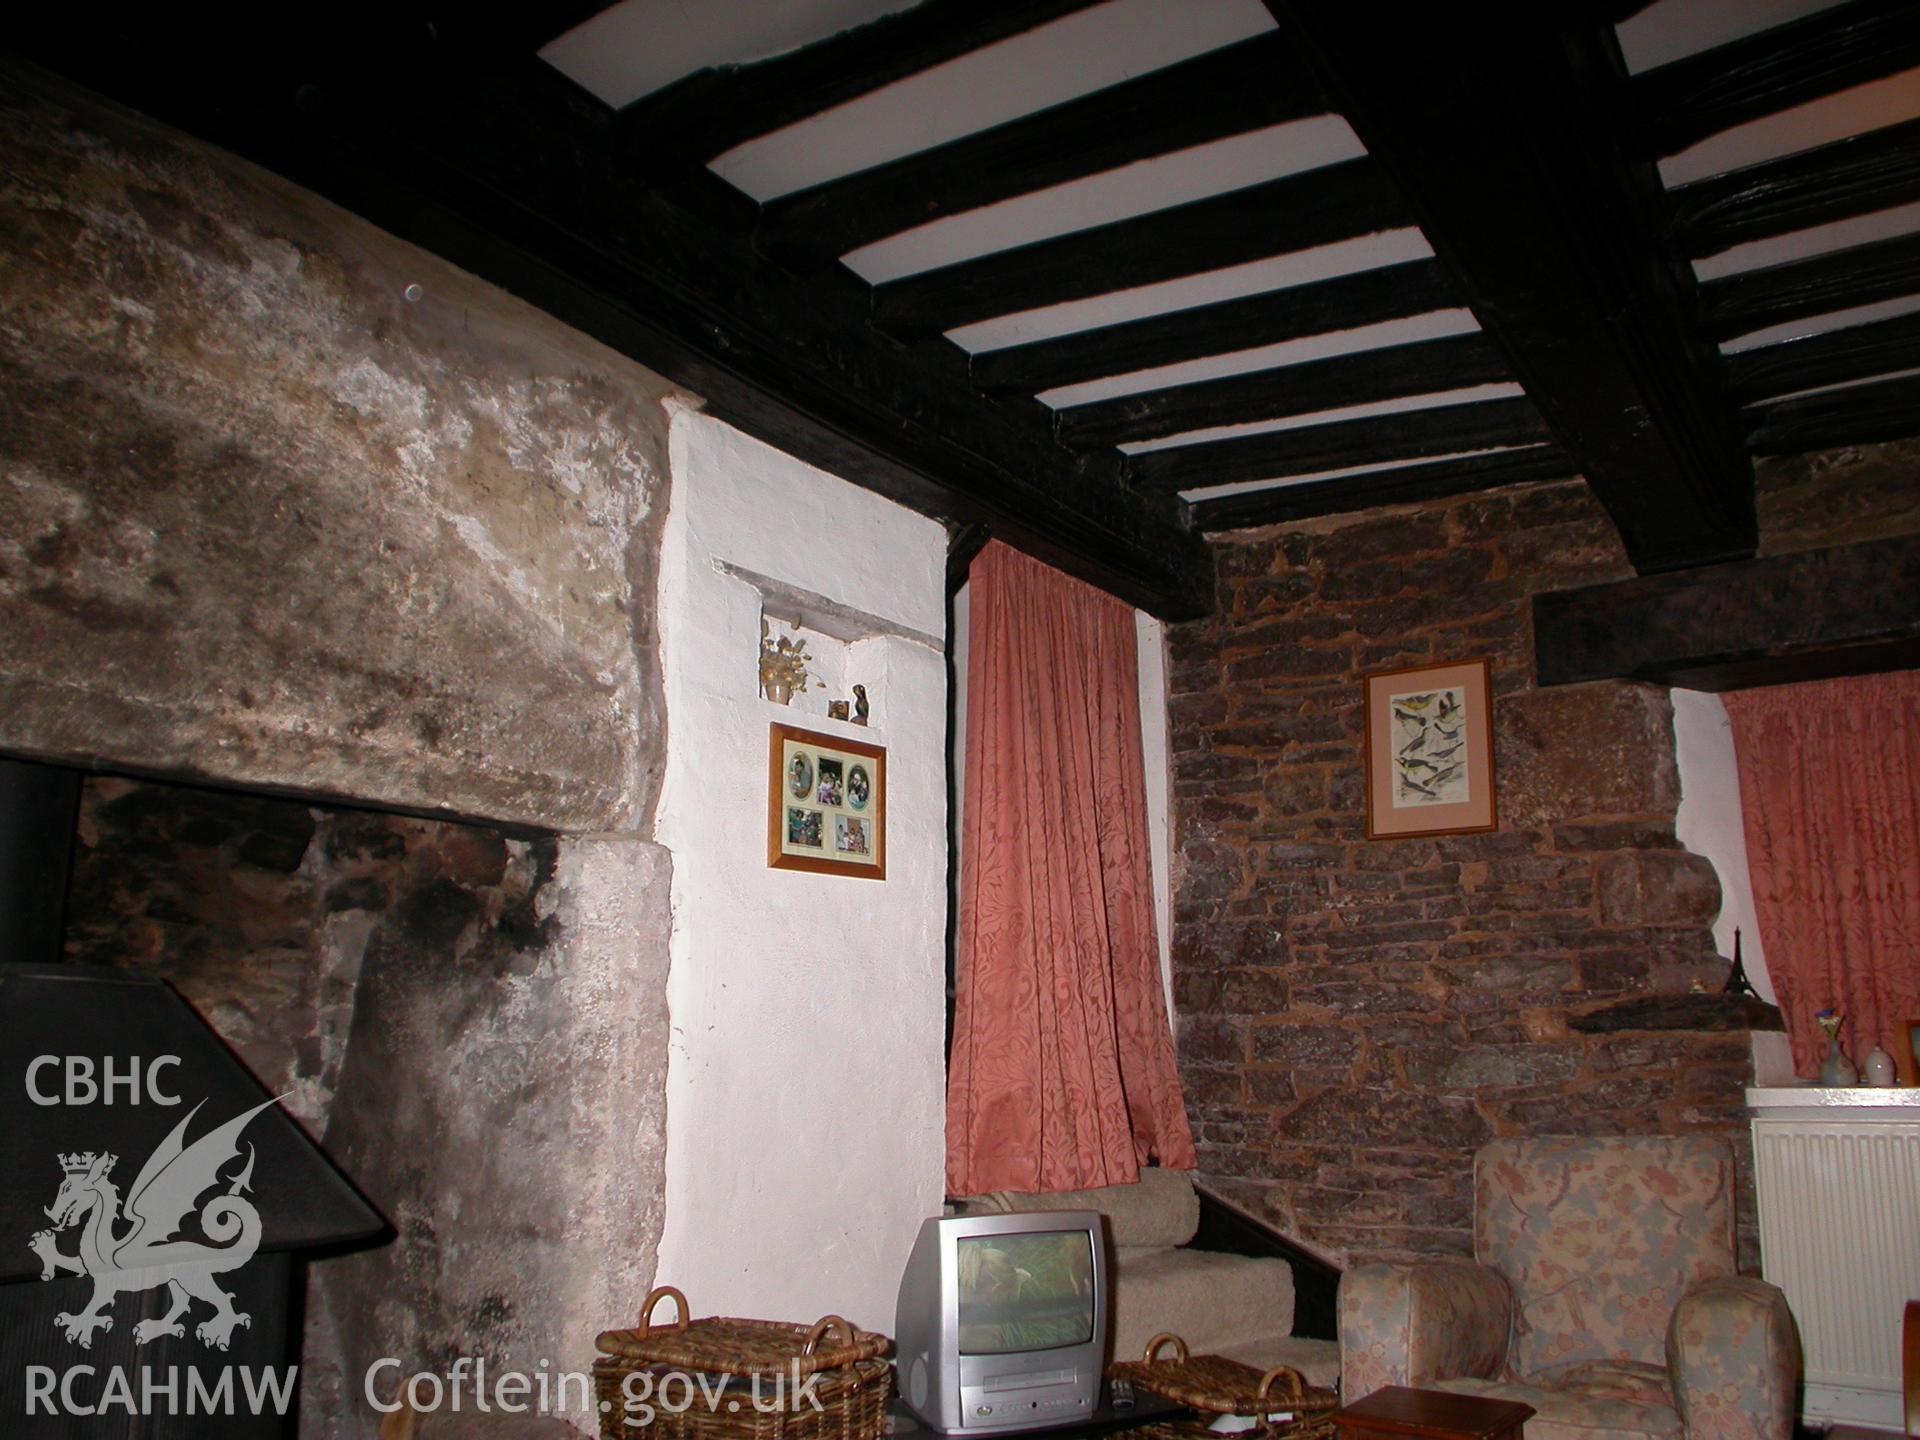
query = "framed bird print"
x=826 y=804
x=1429 y=748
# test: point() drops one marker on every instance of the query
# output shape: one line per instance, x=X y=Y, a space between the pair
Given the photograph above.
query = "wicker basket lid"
x=720 y=1344
x=1223 y=1386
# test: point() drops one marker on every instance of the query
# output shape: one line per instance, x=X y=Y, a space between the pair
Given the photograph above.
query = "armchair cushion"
x=1734 y=1357
x=1414 y=1324
x=1600 y=1238
x=1588 y=1400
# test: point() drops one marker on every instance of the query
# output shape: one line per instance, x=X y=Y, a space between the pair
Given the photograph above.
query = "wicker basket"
x=1226 y=1387
x=728 y=1379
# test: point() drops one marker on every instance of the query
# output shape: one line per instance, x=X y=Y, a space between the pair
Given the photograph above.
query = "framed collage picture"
x=1429 y=746
x=826 y=804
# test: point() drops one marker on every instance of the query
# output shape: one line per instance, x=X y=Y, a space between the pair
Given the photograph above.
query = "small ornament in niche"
x=783 y=665
x=859 y=704
x=836 y=709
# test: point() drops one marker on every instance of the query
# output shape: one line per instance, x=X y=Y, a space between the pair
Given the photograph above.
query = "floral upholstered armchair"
x=1604 y=1295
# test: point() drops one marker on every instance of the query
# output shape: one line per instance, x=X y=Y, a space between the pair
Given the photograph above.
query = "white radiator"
x=1838 y=1176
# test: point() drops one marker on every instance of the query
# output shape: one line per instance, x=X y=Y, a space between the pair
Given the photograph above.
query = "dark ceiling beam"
x=1238 y=88
x=1497 y=123
x=1366 y=297
x=519 y=28
x=1404 y=484
x=1678 y=104
x=1407 y=435
x=1756 y=299
x=1834 y=357
x=710 y=111
x=506 y=169
x=1318 y=207
x=1856 y=415
x=1850 y=610
x=1392 y=372
x=1855 y=176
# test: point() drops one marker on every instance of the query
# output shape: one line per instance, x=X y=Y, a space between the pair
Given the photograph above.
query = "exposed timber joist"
x=1755 y=299
x=1855 y=176
x=1435 y=480
x=1854 y=415
x=1833 y=357
x=1230 y=91
x=1392 y=372
x=508 y=170
x=711 y=111
x=1495 y=121
x=1849 y=610
x=1405 y=435
x=1318 y=207
x=1366 y=297
x=1686 y=101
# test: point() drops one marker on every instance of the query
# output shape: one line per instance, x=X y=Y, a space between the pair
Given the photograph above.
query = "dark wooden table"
x=1397 y=1412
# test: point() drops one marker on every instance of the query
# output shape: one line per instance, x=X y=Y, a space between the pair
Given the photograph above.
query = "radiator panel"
x=1839 y=1199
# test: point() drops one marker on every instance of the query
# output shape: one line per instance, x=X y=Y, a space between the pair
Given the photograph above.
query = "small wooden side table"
x=1398 y=1412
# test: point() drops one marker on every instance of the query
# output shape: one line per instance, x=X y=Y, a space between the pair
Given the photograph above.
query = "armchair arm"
x=1411 y=1324
x=1734 y=1358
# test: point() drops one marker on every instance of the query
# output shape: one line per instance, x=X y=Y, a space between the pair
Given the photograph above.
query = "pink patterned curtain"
x=1830 y=781
x=1062 y=1075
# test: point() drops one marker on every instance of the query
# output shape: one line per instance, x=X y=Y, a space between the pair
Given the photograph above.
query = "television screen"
x=1025 y=1292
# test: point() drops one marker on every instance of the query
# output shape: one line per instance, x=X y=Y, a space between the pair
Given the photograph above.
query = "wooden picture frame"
x=1429 y=751
x=826 y=804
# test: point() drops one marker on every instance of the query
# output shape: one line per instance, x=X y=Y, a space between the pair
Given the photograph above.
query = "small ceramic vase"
x=1878 y=1071
x=1838 y=1071
x=778 y=691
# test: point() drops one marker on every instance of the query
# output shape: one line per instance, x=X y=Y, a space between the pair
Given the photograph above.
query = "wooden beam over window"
x=1498 y=123
x=1849 y=610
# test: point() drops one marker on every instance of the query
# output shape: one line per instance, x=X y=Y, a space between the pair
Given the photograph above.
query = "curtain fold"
x=1830 y=786
x=1062 y=1075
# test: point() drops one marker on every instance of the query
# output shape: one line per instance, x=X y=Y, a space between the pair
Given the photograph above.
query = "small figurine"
x=836 y=709
x=859 y=704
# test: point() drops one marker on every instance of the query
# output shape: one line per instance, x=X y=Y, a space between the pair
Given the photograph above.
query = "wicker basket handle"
x=824 y=1327
x=1153 y=1348
x=654 y=1296
x=1296 y=1382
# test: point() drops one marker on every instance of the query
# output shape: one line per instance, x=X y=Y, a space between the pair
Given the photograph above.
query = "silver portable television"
x=1002 y=1321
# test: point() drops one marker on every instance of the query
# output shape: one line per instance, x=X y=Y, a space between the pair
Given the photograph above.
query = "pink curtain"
x=1830 y=781
x=1062 y=1076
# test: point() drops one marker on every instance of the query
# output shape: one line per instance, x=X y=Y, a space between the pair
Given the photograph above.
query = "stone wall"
x=267 y=520
x=1358 y=1016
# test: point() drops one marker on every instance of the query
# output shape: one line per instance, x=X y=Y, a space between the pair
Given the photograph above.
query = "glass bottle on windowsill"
x=1838 y=1070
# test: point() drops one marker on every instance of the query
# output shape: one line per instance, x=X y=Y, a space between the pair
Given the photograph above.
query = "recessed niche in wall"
x=844 y=644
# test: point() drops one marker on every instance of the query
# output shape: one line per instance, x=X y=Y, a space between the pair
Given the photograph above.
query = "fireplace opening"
x=416 y=992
